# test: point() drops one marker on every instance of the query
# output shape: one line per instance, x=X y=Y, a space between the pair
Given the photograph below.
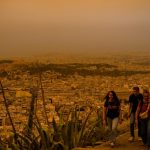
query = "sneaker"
x=112 y=144
x=131 y=139
x=139 y=139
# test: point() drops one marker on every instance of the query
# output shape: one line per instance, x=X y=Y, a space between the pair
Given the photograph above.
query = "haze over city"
x=39 y=27
x=67 y=71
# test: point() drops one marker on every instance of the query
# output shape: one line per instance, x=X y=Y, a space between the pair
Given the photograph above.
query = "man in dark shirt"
x=134 y=99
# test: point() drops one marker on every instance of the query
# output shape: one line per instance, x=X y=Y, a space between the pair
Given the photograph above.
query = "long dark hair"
x=115 y=97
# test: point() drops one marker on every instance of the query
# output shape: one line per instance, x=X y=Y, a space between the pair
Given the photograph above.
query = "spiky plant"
x=74 y=133
x=7 y=110
x=34 y=92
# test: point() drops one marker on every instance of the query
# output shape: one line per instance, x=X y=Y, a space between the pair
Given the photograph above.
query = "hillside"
x=121 y=144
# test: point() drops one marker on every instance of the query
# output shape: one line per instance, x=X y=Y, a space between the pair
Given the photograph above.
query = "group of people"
x=138 y=103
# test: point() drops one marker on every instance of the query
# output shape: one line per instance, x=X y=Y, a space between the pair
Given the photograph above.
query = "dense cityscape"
x=59 y=88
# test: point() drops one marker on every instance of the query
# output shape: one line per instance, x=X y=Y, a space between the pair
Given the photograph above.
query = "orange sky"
x=35 y=26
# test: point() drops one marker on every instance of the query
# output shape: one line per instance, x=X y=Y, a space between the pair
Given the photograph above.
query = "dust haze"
x=88 y=27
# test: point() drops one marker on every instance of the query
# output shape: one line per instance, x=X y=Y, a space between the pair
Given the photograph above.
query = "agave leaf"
x=87 y=132
x=58 y=146
x=47 y=139
x=2 y=147
x=43 y=139
x=14 y=146
x=68 y=135
x=54 y=125
x=84 y=127
x=25 y=139
x=60 y=115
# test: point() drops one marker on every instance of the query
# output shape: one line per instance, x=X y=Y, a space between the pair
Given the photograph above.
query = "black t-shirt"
x=134 y=100
x=112 y=108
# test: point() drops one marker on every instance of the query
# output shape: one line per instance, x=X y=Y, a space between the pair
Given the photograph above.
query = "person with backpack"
x=143 y=115
x=111 y=113
x=134 y=99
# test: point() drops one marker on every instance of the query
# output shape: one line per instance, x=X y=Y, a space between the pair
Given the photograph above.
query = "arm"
x=130 y=108
x=138 y=111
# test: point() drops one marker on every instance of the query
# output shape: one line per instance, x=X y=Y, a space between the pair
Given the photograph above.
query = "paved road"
x=121 y=144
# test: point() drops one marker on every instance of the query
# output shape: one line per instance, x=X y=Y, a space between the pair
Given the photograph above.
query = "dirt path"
x=121 y=144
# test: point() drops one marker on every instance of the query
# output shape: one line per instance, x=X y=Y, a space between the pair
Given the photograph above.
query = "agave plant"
x=3 y=144
x=10 y=118
x=57 y=136
x=75 y=133
x=41 y=140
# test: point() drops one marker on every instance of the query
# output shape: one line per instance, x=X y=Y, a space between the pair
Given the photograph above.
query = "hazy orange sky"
x=39 y=26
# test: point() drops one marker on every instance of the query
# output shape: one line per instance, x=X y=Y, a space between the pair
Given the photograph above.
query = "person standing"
x=145 y=123
x=134 y=99
x=111 y=113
